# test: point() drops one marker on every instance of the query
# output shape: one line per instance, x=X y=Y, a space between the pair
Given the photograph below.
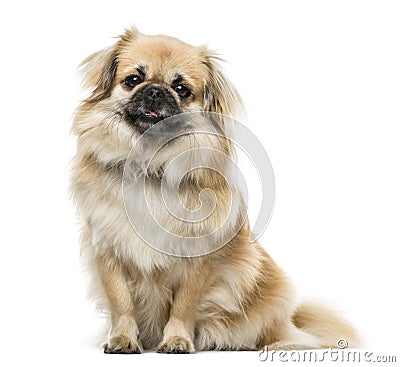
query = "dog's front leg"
x=179 y=331
x=124 y=333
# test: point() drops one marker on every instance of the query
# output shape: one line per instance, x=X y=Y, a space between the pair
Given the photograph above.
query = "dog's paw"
x=176 y=344
x=122 y=345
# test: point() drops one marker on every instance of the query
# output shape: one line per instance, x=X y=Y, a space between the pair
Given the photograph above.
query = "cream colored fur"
x=234 y=298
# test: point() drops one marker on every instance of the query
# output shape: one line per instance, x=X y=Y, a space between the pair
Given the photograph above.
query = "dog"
x=234 y=297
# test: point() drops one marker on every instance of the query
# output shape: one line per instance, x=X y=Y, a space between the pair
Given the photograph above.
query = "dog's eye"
x=133 y=80
x=182 y=90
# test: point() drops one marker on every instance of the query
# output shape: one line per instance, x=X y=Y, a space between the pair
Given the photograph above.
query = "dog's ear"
x=219 y=94
x=99 y=69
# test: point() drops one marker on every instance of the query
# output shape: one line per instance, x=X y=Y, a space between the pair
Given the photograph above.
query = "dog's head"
x=141 y=80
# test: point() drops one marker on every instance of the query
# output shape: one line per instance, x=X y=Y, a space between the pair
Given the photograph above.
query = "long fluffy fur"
x=232 y=299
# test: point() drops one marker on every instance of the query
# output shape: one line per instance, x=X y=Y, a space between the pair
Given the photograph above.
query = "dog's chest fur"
x=135 y=222
x=98 y=192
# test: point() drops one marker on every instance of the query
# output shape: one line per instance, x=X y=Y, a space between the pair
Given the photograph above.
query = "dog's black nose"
x=155 y=93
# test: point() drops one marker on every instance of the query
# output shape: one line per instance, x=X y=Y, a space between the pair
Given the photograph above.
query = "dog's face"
x=142 y=80
x=159 y=77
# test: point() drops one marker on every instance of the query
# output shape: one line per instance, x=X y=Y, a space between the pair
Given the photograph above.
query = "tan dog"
x=234 y=298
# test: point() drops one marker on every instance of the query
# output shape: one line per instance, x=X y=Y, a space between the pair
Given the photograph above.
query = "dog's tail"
x=326 y=325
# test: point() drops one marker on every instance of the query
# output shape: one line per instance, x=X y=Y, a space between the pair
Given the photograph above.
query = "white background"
x=321 y=82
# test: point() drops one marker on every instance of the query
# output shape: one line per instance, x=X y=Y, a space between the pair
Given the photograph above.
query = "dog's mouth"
x=152 y=114
x=151 y=117
x=143 y=121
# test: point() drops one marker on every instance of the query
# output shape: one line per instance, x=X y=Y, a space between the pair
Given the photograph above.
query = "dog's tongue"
x=153 y=114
